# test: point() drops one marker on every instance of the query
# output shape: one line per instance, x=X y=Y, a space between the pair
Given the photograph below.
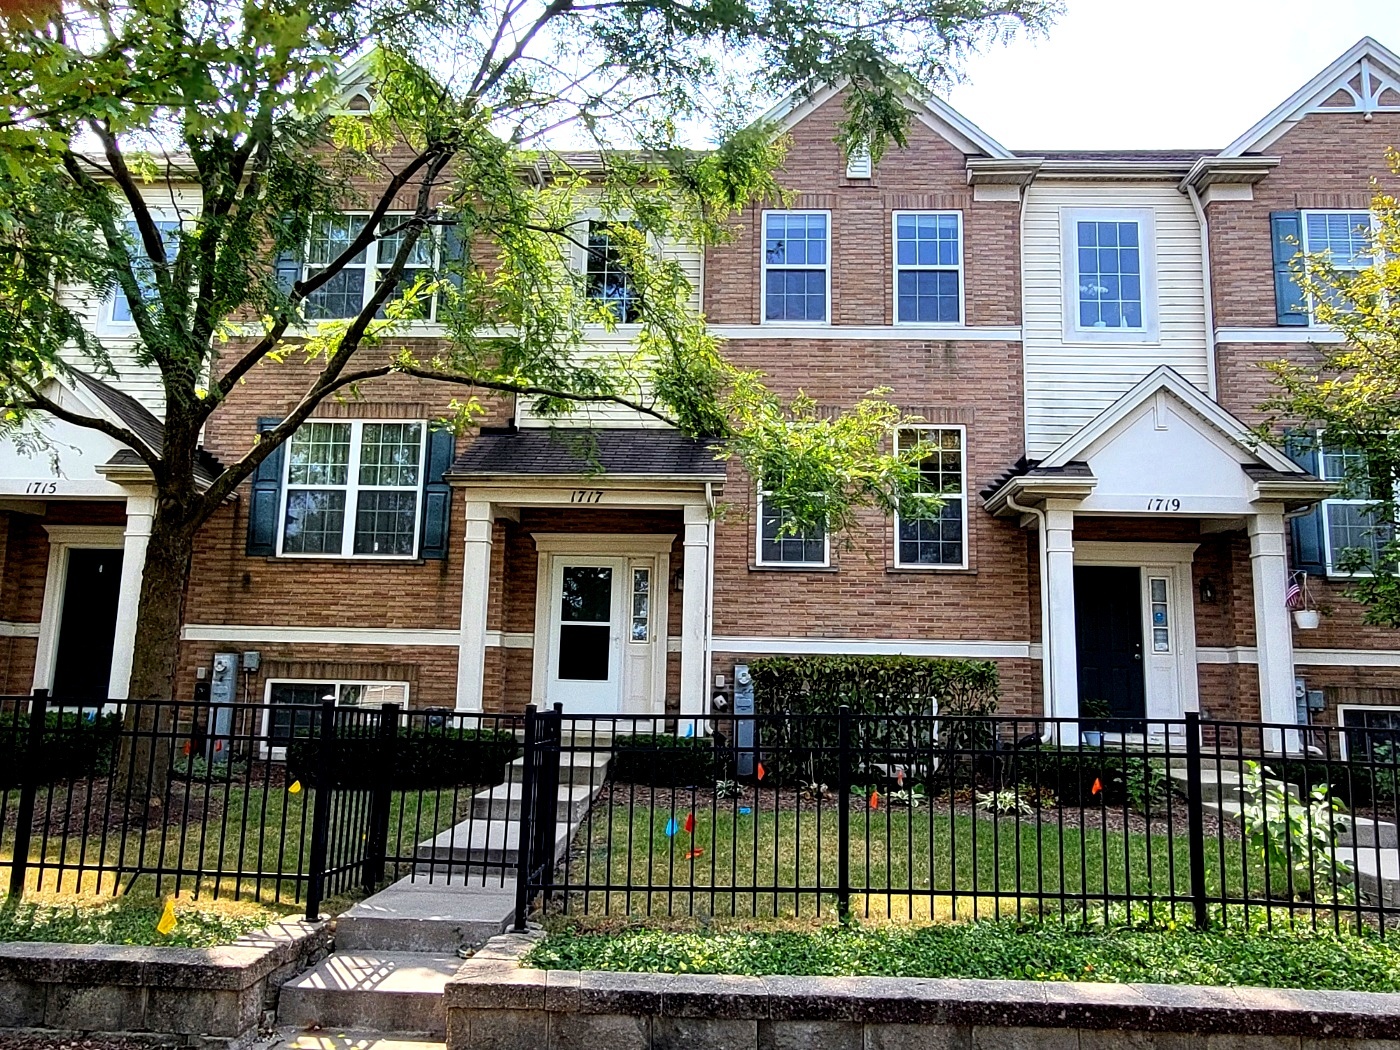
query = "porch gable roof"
x=589 y=453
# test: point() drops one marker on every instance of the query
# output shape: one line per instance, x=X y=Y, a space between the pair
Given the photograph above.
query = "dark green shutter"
x=437 y=494
x=266 y=499
x=1290 y=304
x=1309 y=550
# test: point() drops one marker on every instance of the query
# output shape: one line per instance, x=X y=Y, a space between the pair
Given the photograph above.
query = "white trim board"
x=905 y=333
x=1248 y=654
x=1278 y=335
x=984 y=650
x=11 y=629
x=227 y=632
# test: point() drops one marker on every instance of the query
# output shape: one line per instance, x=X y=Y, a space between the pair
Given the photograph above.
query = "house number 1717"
x=586 y=496
x=1163 y=503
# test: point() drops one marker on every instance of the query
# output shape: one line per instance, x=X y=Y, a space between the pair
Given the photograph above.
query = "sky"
x=1149 y=74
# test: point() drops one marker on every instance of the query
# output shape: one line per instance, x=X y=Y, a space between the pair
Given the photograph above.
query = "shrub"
x=72 y=746
x=664 y=760
x=437 y=757
x=900 y=689
x=1070 y=774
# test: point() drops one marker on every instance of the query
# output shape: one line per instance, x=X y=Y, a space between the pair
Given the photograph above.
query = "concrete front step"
x=420 y=914
x=503 y=802
x=1367 y=832
x=1217 y=785
x=575 y=767
x=477 y=844
x=289 y=1038
x=399 y=992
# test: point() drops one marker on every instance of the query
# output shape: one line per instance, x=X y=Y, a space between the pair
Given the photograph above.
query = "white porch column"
x=695 y=582
x=140 y=513
x=1274 y=635
x=1059 y=570
x=476 y=590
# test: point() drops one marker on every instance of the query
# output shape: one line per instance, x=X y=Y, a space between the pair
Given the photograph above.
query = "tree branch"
x=126 y=437
x=530 y=390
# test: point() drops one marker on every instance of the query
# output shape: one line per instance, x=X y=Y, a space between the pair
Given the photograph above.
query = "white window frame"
x=957 y=268
x=107 y=316
x=278 y=754
x=1344 y=728
x=758 y=558
x=372 y=264
x=1149 y=332
x=352 y=489
x=1333 y=501
x=966 y=554
x=765 y=266
x=579 y=254
x=1307 y=249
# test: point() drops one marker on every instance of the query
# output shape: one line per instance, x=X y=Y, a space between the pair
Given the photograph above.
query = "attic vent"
x=858 y=163
x=358 y=104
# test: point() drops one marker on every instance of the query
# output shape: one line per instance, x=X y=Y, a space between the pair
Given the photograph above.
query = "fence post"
x=526 y=833
x=28 y=790
x=381 y=804
x=1195 y=820
x=843 y=812
x=321 y=812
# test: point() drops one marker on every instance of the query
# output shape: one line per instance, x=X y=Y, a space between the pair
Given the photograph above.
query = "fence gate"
x=539 y=806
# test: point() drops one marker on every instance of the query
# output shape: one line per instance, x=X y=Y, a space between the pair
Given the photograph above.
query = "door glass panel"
x=585 y=627
x=1161 y=638
x=587 y=594
x=641 y=603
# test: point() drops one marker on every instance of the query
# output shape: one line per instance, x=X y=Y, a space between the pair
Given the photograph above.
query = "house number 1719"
x=1163 y=503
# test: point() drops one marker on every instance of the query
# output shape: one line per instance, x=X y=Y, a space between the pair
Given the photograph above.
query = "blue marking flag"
x=690 y=729
x=672 y=827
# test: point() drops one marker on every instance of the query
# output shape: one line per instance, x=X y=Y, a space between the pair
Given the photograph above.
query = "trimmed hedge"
x=72 y=746
x=439 y=757
x=895 y=687
x=664 y=760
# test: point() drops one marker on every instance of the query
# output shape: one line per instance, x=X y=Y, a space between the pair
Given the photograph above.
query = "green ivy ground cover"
x=1159 y=953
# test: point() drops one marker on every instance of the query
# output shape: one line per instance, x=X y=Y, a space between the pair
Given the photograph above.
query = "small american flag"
x=1294 y=596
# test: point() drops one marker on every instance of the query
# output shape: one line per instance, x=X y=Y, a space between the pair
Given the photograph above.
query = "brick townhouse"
x=1079 y=333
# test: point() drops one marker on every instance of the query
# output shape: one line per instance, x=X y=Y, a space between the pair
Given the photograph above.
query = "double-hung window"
x=1372 y=734
x=1345 y=237
x=1349 y=519
x=796 y=266
x=779 y=544
x=141 y=266
x=606 y=278
x=347 y=293
x=289 y=701
x=928 y=267
x=353 y=489
x=937 y=539
x=1108 y=259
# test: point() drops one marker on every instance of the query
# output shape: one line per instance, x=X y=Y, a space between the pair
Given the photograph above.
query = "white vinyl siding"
x=1070 y=379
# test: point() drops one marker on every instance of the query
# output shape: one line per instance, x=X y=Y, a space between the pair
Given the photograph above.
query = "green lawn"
x=907 y=864
x=1151 y=952
x=265 y=833
x=132 y=919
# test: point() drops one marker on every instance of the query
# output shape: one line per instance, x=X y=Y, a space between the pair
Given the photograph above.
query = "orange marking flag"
x=690 y=823
x=761 y=771
x=693 y=853
x=874 y=800
x=1097 y=788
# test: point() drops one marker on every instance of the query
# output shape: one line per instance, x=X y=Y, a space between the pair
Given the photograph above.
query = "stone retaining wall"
x=496 y=1004
x=200 y=997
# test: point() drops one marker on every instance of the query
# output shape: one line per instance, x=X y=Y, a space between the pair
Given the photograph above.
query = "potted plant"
x=1306 y=612
x=1092 y=711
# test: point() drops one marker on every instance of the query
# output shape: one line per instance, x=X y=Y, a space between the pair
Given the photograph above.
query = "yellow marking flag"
x=166 y=926
x=294 y=788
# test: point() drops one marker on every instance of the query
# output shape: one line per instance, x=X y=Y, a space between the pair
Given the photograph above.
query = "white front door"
x=586 y=634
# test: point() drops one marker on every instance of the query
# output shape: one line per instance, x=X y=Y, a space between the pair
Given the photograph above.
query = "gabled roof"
x=125 y=411
x=1168 y=380
x=1369 y=73
x=930 y=110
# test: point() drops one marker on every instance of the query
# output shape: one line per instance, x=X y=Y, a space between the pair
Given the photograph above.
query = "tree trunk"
x=148 y=744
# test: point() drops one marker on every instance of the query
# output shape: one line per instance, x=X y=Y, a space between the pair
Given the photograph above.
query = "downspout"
x=710 y=595
x=1206 y=290
x=1046 y=679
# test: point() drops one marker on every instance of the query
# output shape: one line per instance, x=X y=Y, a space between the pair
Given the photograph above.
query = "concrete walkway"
x=395 y=951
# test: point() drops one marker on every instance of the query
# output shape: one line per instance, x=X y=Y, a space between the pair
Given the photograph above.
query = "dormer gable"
x=1366 y=80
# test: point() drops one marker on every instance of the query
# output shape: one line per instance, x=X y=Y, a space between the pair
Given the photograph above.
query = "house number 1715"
x=1164 y=503
x=586 y=496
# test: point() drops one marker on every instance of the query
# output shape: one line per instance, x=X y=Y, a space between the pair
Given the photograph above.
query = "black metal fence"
x=875 y=816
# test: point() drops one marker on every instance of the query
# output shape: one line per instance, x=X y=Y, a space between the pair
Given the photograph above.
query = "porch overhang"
x=621 y=457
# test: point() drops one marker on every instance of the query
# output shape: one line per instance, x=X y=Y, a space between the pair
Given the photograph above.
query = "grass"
x=1146 y=952
x=264 y=831
x=914 y=865
x=131 y=920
